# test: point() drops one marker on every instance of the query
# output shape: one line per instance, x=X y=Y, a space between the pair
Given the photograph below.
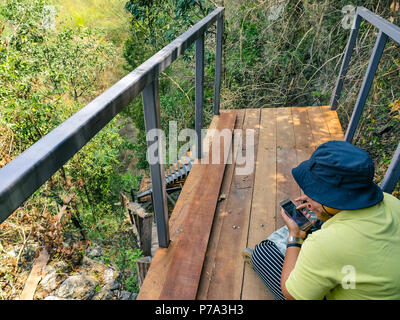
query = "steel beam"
x=218 y=64
x=392 y=175
x=345 y=63
x=199 y=94
x=151 y=107
x=366 y=85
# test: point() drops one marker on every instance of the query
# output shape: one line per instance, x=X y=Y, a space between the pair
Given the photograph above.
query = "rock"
x=110 y=279
x=110 y=285
x=94 y=251
x=126 y=295
x=108 y=275
x=56 y=298
x=12 y=253
x=62 y=267
x=104 y=294
x=92 y=264
x=49 y=281
x=79 y=286
x=87 y=262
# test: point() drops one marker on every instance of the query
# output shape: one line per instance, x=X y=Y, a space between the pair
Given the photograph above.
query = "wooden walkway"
x=205 y=261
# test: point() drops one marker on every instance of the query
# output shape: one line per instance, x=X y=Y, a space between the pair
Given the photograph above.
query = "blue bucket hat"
x=339 y=175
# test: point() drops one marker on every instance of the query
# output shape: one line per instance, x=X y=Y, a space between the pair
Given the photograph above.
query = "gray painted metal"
x=366 y=85
x=199 y=94
x=151 y=107
x=218 y=64
x=181 y=171
x=185 y=171
x=345 y=63
x=392 y=174
x=386 y=29
x=26 y=173
x=150 y=191
x=383 y=25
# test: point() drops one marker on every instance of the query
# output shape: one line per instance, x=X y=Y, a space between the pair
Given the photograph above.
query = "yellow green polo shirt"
x=355 y=255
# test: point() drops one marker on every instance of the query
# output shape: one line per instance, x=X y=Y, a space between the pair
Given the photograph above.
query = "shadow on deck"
x=212 y=222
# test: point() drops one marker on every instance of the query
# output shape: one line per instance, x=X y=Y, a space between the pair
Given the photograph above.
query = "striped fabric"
x=268 y=263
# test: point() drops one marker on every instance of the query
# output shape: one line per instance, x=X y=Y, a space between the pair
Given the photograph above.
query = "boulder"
x=79 y=286
x=62 y=267
x=49 y=281
x=110 y=279
x=104 y=294
x=126 y=295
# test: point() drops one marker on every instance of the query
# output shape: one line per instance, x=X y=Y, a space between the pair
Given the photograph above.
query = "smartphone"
x=290 y=209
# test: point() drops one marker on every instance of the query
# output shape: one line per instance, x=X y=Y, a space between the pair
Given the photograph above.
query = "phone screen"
x=295 y=214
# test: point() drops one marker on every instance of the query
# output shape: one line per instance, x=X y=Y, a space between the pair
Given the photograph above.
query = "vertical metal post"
x=218 y=64
x=151 y=107
x=392 y=174
x=366 y=85
x=345 y=63
x=199 y=93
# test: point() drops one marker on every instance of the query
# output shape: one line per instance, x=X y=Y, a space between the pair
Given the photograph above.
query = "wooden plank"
x=157 y=273
x=229 y=266
x=332 y=120
x=263 y=208
x=185 y=269
x=305 y=144
x=319 y=128
x=35 y=275
x=142 y=267
x=220 y=214
x=191 y=184
x=286 y=159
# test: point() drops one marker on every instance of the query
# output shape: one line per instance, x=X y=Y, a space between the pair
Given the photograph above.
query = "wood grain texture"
x=157 y=273
x=262 y=219
x=227 y=277
x=286 y=159
x=319 y=127
x=220 y=214
x=332 y=120
x=185 y=269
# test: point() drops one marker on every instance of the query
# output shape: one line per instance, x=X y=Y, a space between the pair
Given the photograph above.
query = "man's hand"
x=293 y=227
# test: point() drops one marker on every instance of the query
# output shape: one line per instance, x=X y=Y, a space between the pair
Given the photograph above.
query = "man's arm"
x=292 y=253
x=288 y=265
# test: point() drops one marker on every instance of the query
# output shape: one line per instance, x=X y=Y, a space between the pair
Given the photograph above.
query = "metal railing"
x=386 y=29
x=20 y=178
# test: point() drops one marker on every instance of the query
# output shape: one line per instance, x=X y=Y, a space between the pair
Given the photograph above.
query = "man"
x=356 y=252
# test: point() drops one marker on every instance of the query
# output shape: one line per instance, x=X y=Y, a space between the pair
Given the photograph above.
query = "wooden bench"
x=208 y=232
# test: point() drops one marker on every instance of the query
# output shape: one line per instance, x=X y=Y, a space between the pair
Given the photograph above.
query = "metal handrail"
x=386 y=29
x=20 y=178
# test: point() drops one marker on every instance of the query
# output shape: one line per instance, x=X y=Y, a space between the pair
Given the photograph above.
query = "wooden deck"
x=204 y=259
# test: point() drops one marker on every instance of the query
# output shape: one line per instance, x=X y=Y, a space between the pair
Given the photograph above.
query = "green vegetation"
x=154 y=25
x=48 y=73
